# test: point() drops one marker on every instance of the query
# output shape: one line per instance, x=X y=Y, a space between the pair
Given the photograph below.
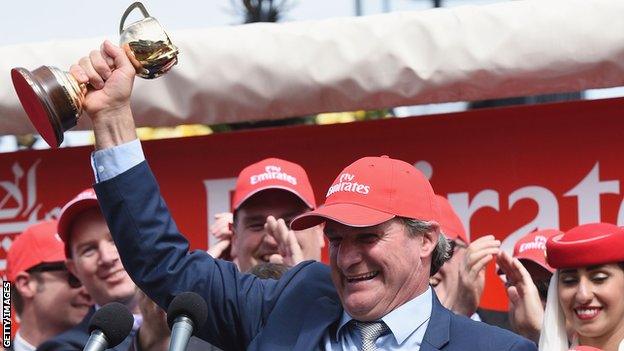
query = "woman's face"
x=592 y=299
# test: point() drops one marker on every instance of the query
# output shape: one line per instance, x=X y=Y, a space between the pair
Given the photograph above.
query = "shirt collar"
x=404 y=320
x=20 y=344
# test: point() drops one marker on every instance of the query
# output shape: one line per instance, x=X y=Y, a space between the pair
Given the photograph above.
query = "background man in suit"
x=93 y=258
x=44 y=300
x=380 y=217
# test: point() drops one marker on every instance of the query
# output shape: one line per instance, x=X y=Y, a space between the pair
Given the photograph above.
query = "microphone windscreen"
x=114 y=320
x=190 y=305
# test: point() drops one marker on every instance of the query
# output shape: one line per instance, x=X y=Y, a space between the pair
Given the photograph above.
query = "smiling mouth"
x=80 y=305
x=586 y=313
x=113 y=276
x=362 y=277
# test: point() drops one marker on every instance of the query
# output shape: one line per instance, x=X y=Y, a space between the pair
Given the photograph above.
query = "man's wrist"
x=113 y=127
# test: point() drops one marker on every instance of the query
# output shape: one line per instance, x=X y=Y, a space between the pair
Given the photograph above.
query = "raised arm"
x=151 y=248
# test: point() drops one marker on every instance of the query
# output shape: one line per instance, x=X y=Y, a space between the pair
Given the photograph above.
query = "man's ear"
x=234 y=244
x=23 y=284
x=430 y=240
x=321 y=235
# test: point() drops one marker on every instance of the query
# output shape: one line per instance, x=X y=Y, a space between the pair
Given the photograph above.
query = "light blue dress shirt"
x=407 y=325
x=113 y=161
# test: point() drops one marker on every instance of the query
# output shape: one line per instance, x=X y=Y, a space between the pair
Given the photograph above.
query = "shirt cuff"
x=111 y=162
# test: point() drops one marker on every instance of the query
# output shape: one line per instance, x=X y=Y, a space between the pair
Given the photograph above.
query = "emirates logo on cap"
x=272 y=172
x=538 y=243
x=347 y=183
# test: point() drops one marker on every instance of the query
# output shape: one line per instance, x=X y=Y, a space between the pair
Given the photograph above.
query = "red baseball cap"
x=373 y=190
x=273 y=173
x=83 y=201
x=532 y=247
x=586 y=245
x=451 y=225
x=38 y=244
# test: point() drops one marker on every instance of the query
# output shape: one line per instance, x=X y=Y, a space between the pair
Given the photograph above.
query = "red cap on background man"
x=532 y=247
x=38 y=244
x=451 y=225
x=86 y=199
x=273 y=173
x=373 y=190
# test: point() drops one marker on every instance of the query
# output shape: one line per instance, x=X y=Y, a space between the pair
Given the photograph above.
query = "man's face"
x=57 y=305
x=95 y=260
x=252 y=244
x=377 y=269
x=446 y=281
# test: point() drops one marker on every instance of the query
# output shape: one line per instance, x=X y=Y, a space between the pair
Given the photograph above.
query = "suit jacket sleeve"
x=157 y=258
x=524 y=345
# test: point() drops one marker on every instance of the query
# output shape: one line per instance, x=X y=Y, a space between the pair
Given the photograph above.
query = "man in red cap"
x=268 y=195
x=449 y=280
x=93 y=258
x=530 y=250
x=527 y=276
x=460 y=282
x=47 y=301
x=381 y=220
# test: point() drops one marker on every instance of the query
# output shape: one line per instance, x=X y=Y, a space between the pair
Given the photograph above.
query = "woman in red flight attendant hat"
x=586 y=290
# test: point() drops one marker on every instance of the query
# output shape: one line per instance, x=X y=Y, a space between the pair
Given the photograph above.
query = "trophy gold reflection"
x=53 y=99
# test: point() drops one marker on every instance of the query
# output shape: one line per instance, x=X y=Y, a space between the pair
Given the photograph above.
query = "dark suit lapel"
x=320 y=315
x=81 y=331
x=438 y=329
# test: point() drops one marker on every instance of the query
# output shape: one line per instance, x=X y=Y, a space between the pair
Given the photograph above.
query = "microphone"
x=109 y=326
x=185 y=315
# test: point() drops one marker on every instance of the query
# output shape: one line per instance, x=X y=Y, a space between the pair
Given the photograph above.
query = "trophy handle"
x=127 y=12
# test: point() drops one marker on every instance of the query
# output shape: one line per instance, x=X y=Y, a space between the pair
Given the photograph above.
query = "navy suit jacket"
x=247 y=313
x=76 y=338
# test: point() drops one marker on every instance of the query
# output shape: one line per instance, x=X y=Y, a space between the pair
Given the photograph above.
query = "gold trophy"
x=53 y=99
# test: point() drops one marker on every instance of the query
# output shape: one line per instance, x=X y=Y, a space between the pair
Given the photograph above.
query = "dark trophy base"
x=47 y=102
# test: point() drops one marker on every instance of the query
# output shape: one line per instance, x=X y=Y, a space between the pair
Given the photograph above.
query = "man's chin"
x=359 y=309
x=123 y=294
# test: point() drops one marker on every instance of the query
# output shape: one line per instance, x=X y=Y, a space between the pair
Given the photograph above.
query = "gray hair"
x=441 y=253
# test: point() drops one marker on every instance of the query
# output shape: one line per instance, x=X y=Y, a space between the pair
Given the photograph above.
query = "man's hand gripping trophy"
x=100 y=84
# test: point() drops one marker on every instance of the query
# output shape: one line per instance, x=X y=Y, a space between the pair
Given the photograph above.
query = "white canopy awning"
x=271 y=71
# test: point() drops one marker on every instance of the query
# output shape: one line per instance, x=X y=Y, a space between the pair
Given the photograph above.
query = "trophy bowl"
x=53 y=99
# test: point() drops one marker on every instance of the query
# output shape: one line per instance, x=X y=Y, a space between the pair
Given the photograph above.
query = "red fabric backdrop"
x=507 y=171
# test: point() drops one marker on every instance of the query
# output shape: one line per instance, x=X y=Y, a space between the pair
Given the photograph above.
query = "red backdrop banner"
x=506 y=171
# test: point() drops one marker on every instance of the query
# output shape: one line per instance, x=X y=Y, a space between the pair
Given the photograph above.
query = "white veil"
x=553 y=336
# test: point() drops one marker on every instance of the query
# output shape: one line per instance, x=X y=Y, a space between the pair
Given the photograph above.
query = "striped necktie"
x=369 y=332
